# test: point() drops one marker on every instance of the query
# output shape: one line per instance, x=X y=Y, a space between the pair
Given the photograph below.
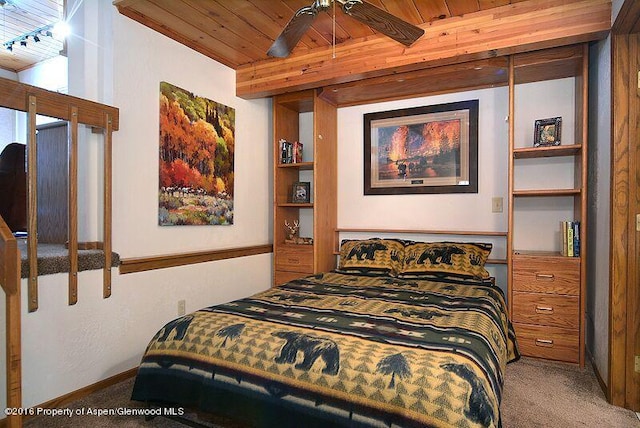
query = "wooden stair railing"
x=76 y=111
x=10 y=282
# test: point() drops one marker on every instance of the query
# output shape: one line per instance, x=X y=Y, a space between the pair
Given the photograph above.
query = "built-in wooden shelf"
x=298 y=165
x=296 y=205
x=547 y=192
x=538 y=253
x=547 y=151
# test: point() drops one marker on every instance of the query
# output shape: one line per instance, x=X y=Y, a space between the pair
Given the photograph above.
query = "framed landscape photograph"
x=300 y=192
x=430 y=149
x=547 y=132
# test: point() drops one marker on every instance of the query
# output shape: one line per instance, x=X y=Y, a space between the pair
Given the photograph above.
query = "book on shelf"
x=290 y=152
x=570 y=232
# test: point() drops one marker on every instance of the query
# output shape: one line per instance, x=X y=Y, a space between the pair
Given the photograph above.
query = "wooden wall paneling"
x=72 y=214
x=624 y=319
x=619 y=220
x=632 y=398
x=32 y=205
x=107 y=201
x=633 y=340
x=53 y=182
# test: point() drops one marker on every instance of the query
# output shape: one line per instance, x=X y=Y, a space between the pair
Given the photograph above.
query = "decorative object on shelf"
x=547 y=132
x=297 y=151
x=286 y=151
x=197 y=140
x=430 y=149
x=292 y=232
x=299 y=241
x=300 y=193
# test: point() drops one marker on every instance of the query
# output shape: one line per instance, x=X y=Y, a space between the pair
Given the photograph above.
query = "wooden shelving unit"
x=547 y=291
x=296 y=260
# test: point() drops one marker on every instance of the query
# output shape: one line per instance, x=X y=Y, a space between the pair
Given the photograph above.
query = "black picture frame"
x=429 y=149
x=547 y=132
x=301 y=192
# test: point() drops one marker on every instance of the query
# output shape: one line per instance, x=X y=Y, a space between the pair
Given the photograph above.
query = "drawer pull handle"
x=544 y=309
x=545 y=276
x=293 y=260
x=545 y=343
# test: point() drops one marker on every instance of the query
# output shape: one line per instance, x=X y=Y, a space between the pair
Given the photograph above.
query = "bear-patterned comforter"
x=339 y=350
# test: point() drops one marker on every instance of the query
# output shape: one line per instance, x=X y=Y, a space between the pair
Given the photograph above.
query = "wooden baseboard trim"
x=141 y=264
x=80 y=393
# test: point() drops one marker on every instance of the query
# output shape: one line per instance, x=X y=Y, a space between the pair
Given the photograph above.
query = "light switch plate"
x=496 y=205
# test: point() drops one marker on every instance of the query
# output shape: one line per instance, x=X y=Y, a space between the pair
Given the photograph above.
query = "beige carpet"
x=536 y=394
x=544 y=394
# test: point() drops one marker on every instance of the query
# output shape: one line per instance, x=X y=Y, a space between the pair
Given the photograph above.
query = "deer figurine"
x=293 y=229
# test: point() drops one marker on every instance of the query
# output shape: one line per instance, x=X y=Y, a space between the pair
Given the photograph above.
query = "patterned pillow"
x=371 y=256
x=441 y=259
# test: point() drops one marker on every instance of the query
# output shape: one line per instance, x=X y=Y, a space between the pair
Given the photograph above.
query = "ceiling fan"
x=364 y=12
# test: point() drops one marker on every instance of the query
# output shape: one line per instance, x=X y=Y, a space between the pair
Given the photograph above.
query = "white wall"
x=599 y=202
x=68 y=347
x=444 y=212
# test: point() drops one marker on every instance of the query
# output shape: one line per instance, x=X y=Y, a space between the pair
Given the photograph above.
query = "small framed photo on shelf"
x=300 y=193
x=547 y=132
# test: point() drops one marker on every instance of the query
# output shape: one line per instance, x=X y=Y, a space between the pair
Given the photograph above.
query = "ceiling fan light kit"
x=376 y=18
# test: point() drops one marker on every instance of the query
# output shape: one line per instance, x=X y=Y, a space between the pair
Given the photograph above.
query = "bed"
x=402 y=334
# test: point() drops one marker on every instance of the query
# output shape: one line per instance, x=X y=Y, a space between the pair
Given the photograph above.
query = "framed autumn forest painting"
x=197 y=140
x=430 y=149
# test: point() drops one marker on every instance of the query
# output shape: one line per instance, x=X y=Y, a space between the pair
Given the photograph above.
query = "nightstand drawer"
x=546 y=310
x=295 y=258
x=548 y=342
x=546 y=274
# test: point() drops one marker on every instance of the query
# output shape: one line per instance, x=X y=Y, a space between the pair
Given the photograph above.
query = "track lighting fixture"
x=47 y=30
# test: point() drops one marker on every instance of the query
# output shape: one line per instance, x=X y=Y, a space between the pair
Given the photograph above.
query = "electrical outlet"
x=637 y=364
x=182 y=307
x=496 y=205
x=638 y=222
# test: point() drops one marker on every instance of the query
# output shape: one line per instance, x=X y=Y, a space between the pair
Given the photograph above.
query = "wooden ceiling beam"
x=515 y=28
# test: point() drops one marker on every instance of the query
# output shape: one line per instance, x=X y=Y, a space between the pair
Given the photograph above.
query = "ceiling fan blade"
x=293 y=32
x=382 y=21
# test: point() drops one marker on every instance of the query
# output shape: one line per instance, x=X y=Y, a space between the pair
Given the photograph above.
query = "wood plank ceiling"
x=20 y=21
x=339 y=50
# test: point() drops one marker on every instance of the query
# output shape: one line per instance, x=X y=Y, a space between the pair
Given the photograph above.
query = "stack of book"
x=570 y=231
x=290 y=152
